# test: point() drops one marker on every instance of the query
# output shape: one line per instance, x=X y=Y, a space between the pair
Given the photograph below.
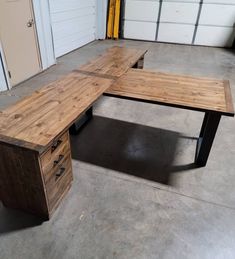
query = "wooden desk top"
x=194 y=93
x=114 y=62
x=37 y=119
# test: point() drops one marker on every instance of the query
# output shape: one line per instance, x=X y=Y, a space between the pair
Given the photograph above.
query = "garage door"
x=73 y=24
x=199 y=22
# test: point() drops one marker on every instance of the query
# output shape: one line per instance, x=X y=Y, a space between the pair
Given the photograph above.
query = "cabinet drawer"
x=59 y=183
x=52 y=159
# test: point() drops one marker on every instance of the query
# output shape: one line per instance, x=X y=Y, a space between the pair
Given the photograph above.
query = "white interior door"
x=73 y=24
x=19 y=40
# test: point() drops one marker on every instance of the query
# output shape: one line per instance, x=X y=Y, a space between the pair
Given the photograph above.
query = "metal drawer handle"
x=55 y=145
x=56 y=162
x=60 y=172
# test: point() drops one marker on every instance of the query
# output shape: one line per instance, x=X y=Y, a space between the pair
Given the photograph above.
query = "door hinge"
x=9 y=74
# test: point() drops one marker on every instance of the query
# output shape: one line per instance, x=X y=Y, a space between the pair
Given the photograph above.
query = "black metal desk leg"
x=74 y=129
x=207 y=135
x=139 y=64
x=204 y=124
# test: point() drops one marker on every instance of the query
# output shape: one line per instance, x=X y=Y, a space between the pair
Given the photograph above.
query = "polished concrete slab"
x=136 y=193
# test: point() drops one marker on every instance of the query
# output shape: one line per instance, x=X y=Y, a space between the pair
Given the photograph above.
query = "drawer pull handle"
x=55 y=145
x=56 y=162
x=60 y=172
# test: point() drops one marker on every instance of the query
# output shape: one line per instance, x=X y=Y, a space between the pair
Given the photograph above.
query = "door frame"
x=101 y=19
x=4 y=69
x=42 y=17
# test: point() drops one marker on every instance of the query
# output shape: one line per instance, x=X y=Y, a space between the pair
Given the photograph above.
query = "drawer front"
x=59 y=183
x=56 y=165
x=56 y=154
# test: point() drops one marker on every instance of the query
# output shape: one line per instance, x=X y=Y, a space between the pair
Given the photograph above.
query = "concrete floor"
x=136 y=193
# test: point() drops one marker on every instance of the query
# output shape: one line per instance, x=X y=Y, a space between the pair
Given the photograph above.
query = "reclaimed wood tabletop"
x=114 y=62
x=196 y=93
x=40 y=117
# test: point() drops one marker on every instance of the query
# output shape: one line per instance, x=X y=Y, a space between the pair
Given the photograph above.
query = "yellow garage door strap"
x=113 y=19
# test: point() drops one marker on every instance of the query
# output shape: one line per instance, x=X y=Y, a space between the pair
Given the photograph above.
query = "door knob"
x=30 y=23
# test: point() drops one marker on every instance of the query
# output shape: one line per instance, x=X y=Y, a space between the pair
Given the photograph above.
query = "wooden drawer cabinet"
x=57 y=170
x=54 y=156
x=35 y=156
x=36 y=182
x=59 y=184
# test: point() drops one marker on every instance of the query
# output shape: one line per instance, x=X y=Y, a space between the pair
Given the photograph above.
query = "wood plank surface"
x=21 y=185
x=39 y=118
x=115 y=61
x=194 y=93
x=59 y=154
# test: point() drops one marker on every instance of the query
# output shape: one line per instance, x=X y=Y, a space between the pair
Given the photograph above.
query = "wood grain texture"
x=53 y=158
x=58 y=182
x=41 y=117
x=228 y=96
x=194 y=93
x=21 y=143
x=21 y=185
x=96 y=74
x=57 y=187
x=115 y=61
x=35 y=153
x=32 y=184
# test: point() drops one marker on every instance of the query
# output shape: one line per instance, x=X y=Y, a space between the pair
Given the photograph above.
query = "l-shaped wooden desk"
x=35 y=156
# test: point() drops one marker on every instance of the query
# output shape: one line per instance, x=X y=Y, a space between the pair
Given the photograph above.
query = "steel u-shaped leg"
x=206 y=137
x=87 y=116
